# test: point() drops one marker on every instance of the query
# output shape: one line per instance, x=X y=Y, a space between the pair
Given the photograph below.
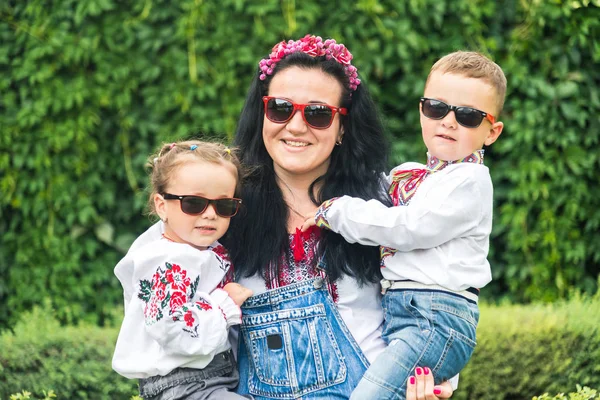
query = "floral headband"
x=315 y=47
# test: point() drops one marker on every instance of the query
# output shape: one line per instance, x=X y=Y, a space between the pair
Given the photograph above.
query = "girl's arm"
x=183 y=310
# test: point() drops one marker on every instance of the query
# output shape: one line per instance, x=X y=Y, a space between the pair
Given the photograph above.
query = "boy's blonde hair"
x=472 y=64
x=171 y=156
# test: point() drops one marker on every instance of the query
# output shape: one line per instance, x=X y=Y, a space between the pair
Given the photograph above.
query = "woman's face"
x=296 y=148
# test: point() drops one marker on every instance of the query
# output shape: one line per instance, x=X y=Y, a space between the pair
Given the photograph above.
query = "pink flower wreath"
x=314 y=47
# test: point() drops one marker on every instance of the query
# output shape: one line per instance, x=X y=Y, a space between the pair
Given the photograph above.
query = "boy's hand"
x=237 y=292
x=310 y=221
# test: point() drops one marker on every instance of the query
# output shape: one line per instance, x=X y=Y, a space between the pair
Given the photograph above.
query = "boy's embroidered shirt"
x=405 y=182
x=441 y=237
x=176 y=313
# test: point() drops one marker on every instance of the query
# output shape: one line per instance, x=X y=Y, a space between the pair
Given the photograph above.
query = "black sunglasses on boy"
x=468 y=117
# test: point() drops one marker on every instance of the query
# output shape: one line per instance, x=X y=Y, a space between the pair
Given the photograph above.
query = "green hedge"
x=522 y=351
x=89 y=87
x=74 y=362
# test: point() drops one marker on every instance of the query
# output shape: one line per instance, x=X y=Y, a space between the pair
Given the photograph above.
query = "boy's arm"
x=448 y=210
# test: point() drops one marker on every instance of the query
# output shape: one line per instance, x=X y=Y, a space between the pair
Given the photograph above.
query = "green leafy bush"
x=522 y=351
x=73 y=362
x=89 y=88
x=583 y=393
x=526 y=350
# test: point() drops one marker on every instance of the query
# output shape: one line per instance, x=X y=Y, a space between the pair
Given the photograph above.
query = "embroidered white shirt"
x=175 y=313
x=442 y=235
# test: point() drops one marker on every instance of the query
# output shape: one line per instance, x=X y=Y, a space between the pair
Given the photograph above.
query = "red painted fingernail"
x=412 y=380
x=426 y=370
x=437 y=391
x=419 y=371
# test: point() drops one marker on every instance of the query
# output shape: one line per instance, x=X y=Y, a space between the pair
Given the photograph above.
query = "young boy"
x=435 y=241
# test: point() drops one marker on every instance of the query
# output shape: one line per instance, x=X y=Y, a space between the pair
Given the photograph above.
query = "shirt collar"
x=435 y=164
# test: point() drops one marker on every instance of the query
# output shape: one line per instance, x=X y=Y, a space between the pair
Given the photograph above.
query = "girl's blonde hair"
x=171 y=156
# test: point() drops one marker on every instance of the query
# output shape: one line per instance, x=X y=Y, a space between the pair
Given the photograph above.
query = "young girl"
x=179 y=298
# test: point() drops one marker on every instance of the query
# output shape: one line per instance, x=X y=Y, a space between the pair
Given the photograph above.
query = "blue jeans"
x=214 y=382
x=424 y=328
x=293 y=344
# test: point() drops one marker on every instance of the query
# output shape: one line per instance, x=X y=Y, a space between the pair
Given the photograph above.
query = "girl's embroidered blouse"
x=176 y=314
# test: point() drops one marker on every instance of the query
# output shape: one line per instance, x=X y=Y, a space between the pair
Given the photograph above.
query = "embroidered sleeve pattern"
x=321 y=215
x=225 y=264
x=171 y=295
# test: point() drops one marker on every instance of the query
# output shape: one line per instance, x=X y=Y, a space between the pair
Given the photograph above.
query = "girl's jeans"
x=214 y=382
x=293 y=344
x=423 y=328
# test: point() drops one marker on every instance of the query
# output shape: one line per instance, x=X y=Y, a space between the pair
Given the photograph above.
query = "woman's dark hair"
x=259 y=237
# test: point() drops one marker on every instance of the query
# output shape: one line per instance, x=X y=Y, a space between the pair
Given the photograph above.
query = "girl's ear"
x=160 y=205
x=495 y=132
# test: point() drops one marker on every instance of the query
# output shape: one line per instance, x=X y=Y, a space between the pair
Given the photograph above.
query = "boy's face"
x=445 y=138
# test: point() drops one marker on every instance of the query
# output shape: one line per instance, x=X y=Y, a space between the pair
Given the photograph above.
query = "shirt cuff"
x=454 y=382
x=321 y=215
x=231 y=311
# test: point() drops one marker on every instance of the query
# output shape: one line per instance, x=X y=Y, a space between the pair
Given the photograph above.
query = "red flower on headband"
x=342 y=55
x=312 y=45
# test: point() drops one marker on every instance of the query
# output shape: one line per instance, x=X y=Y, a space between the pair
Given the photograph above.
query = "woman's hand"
x=421 y=387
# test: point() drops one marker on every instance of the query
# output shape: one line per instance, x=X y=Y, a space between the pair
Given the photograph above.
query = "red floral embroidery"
x=189 y=319
x=177 y=300
x=226 y=265
x=177 y=277
x=172 y=292
x=204 y=305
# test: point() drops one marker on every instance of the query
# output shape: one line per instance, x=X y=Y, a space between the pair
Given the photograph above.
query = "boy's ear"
x=494 y=133
x=160 y=205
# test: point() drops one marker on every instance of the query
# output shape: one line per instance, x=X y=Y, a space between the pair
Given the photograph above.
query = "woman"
x=310 y=132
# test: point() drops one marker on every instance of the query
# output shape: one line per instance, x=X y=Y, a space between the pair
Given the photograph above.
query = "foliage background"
x=89 y=88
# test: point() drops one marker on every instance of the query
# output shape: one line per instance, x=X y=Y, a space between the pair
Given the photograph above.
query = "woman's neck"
x=295 y=190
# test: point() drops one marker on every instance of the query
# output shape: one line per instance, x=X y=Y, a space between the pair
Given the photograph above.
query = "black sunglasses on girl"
x=468 y=117
x=195 y=205
x=316 y=115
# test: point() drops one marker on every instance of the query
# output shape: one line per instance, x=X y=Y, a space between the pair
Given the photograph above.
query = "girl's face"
x=199 y=178
x=296 y=148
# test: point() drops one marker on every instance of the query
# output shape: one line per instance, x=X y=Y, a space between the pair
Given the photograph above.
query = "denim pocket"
x=293 y=352
x=457 y=306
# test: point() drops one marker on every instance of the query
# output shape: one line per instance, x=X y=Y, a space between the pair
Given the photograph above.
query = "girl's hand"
x=310 y=221
x=237 y=292
x=421 y=387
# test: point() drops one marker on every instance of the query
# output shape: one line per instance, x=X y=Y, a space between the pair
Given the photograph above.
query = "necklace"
x=167 y=237
x=296 y=212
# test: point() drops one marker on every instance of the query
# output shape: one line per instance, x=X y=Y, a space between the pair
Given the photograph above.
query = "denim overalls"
x=293 y=344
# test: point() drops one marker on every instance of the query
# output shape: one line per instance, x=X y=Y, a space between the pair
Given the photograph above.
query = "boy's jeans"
x=423 y=328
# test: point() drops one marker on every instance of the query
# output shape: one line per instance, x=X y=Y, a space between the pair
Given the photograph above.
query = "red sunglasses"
x=316 y=115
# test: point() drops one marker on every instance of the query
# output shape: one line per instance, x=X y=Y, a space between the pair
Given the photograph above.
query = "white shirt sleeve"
x=450 y=209
x=179 y=311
